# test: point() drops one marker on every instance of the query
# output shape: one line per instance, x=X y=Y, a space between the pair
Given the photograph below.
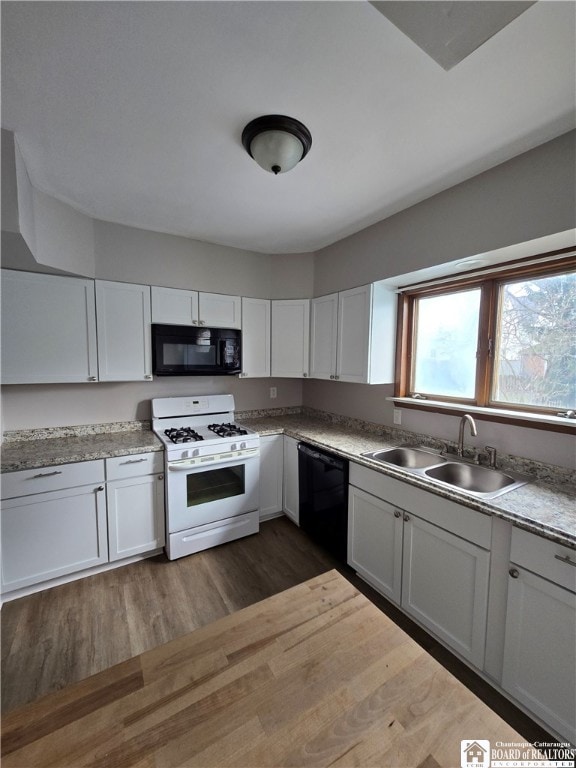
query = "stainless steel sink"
x=409 y=458
x=481 y=481
x=478 y=481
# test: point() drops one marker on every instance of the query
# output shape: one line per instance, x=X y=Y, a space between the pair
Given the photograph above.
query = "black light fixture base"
x=276 y=123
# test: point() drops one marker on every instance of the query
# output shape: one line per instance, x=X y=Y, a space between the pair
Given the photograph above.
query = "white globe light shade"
x=276 y=151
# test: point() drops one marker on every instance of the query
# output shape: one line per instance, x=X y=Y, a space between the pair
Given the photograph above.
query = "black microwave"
x=183 y=350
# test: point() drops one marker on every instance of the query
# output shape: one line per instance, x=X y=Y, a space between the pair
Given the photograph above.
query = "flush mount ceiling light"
x=276 y=142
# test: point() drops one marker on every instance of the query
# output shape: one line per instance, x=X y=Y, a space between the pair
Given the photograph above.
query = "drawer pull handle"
x=397 y=513
x=406 y=517
x=46 y=474
x=133 y=461
x=565 y=559
x=514 y=572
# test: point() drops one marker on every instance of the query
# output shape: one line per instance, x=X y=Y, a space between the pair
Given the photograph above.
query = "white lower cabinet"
x=291 y=502
x=428 y=562
x=53 y=533
x=540 y=642
x=271 y=475
x=135 y=496
x=375 y=542
x=445 y=586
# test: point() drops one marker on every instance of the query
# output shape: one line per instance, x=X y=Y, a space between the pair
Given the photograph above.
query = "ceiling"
x=132 y=112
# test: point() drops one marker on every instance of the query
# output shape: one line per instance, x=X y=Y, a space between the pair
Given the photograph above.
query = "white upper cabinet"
x=174 y=306
x=255 y=337
x=290 y=337
x=323 y=336
x=353 y=335
x=124 y=346
x=217 y=310
x=48 y=329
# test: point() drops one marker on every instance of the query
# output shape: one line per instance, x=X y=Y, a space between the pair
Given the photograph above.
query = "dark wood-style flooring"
x=69 y=632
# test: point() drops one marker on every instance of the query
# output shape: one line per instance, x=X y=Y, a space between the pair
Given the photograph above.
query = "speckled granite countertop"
x=31 y=454
x=546 y=506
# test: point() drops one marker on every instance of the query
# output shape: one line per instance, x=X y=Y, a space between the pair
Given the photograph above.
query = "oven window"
x=214 y=485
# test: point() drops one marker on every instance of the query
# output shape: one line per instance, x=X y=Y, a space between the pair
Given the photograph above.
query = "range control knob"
x=233 y=447
x=196 y=452
x=242 y=446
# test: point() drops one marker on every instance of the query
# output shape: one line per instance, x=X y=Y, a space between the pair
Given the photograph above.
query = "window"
x=505 y=339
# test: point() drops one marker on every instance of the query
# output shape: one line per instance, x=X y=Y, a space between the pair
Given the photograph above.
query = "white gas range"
x=212 y=472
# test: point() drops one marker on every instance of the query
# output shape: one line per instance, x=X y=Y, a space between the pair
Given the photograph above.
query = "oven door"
x=211 y=488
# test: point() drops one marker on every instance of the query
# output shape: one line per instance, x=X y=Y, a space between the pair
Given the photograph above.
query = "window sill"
x=519 y=418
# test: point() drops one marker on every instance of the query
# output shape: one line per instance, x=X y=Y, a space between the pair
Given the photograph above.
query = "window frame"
x=489 y=281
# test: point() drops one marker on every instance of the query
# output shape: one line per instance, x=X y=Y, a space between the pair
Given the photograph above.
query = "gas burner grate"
x=227 y=430
x=183 y=435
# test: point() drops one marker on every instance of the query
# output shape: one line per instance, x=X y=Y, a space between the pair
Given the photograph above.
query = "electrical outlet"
x=397 y=416
x=273 y=393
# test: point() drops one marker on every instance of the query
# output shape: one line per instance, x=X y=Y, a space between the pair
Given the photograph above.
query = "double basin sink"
x=478 y=481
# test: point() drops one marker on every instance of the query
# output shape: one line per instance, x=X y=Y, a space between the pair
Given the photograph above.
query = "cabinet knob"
x=92 y=378
x=148 y=376
x=100 y=488
x=514 y=572
x=305 y=375
x=406 y=517
x=336 y=377
x=331 y=376
x=160 y=477
x=397 y=513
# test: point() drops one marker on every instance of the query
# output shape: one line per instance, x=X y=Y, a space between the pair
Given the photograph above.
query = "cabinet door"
x=290 y=338
x=290 y=495
x=271 y=475
x=48 y=329
x=354 y=334
x=255 y=337
x=540 y=650
x=323 y=336
x=375 y=542
x=52 y=534
x=135 y=515
x=445 y=586
x=124 y=345
x=174 y=306
x=217 y=310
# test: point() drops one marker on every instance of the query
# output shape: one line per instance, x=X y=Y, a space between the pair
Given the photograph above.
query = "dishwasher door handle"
x=321 y=457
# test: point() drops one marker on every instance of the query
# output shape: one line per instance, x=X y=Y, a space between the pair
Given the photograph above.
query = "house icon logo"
x=475 y=754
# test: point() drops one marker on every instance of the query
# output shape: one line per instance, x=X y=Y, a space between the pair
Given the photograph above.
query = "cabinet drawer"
x=541 y=556
x=134 y=465
x=45 y=479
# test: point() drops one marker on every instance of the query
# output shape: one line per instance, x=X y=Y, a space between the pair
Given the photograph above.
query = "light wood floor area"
x=67 y=633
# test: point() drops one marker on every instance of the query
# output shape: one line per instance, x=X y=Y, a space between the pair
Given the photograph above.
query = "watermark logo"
x=475 y=754
x=479 y=753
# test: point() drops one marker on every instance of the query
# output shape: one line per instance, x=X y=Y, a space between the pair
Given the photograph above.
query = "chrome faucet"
x=473 y=431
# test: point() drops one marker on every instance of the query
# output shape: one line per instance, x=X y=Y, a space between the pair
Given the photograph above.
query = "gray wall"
x=140 y=256
x=57 y=405
x=528 y=197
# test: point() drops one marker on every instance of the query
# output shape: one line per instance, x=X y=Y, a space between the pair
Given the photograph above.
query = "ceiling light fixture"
x=276 y=142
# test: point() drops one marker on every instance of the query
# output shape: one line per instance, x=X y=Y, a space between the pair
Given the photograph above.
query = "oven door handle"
x=186 y=465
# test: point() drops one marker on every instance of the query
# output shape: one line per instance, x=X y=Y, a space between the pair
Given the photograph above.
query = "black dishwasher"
x=323 y=498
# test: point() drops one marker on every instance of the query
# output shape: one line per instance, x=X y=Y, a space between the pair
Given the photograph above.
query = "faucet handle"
x=491 y=451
